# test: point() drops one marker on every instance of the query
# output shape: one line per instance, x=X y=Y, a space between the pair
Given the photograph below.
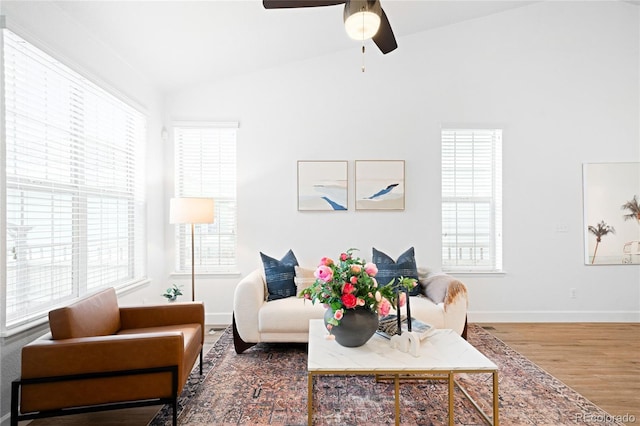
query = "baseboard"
x=221 y=319
x=553 y=316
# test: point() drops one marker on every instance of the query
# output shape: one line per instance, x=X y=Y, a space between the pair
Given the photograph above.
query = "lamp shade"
x=191 y=210
x=362 y=18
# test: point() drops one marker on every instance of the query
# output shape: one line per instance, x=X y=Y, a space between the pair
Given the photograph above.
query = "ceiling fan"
x=363 y=19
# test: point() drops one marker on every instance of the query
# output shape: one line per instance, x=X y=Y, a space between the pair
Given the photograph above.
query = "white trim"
x=218 y=318
x=553 y=316
x=207 y=124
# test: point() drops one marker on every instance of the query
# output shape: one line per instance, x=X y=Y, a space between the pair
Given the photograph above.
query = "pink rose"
x=348 y=288
x=349 y=300
x=338 y=314
x=371 y=269
x=344 y=256
x=323 y=273
x=360 y=302
x=384 y=307
x=353 y=280
x=403 y=298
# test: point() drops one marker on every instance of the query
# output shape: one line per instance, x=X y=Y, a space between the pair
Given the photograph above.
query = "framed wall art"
x=322 y=185
x=379 y=184
x=611 y=213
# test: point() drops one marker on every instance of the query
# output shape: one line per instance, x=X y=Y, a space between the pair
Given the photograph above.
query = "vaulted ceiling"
x=180 y=43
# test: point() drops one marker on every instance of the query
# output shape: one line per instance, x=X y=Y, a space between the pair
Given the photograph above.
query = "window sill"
x=213 y=274
x=500 y=273
x=42 y=319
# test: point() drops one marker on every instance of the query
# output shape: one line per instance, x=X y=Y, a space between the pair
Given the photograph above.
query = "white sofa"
x=287 y=320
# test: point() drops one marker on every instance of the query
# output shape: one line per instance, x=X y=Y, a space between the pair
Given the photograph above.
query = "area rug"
x=267 y=385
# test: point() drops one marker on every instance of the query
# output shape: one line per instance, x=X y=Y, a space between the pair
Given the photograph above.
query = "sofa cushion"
x=279 y=275
x=304 y=278
x=95 y=315
x=288 y=315
x=389 y=269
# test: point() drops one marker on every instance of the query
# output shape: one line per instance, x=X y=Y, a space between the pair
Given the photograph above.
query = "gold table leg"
x=310 y=400
x=496 y=400
x=451 y=420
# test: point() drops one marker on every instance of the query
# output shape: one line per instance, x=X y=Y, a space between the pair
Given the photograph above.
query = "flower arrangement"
x=350 y=283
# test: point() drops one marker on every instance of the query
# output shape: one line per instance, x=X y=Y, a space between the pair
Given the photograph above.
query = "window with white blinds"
x=73 y=178
x=205 y=166
x=471 y=199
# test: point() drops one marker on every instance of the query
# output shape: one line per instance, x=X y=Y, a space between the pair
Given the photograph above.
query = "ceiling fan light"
x=362 y=18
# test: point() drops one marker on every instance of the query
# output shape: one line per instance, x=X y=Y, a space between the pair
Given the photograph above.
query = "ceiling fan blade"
x=384 y=38
x=286 y=4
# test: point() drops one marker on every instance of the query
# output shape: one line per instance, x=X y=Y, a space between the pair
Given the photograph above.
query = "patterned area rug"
x=267 y=385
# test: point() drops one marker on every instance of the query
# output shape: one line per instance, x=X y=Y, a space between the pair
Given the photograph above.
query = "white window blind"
x=472 y=199
x=73 y=174
x=205 y=159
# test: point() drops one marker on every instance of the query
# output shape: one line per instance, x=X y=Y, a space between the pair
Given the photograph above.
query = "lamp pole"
x=193 y=265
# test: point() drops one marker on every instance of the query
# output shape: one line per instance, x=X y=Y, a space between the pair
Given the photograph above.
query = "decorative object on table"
x=407 y=338
x=172 y=293
x=349 y=285
x=610 y=196
x=388 y=327
x=380 y=185
x=322 y=185
x=356 y=326
x=191 y=211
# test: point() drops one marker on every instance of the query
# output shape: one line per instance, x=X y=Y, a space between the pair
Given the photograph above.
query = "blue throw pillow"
x=389 y=269
x=280 y=275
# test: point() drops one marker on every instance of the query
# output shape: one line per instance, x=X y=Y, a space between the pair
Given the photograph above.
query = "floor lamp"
x=191 y=211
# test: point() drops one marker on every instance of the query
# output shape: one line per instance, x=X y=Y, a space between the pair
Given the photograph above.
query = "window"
x=73 y=203
x=472 y=199
x=205 y=155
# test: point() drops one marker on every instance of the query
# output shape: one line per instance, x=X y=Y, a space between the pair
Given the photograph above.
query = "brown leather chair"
x=100 y=356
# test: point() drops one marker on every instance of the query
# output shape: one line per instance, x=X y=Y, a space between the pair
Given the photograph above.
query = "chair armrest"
x=248 y=298
x=162 y=315
x=49 y=358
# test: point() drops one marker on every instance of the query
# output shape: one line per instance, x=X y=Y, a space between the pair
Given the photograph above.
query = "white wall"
x=45 y=25
x=561 y=79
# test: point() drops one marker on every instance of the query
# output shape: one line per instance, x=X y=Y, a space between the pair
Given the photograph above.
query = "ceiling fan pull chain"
x=363 y=57
x=363 y=43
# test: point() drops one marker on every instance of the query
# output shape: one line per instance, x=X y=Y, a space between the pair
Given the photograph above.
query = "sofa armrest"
x=50 y=358
x=162 y=315
x=455 y=306
x=248 y=298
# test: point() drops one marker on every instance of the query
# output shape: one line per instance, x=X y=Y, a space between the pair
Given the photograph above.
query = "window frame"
x=133 y=200
x=492 y=200
x=226 y=203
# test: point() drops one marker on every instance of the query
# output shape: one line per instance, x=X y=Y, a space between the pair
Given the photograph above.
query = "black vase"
x=356 y=326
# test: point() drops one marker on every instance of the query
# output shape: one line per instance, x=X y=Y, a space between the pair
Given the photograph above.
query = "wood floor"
x=601 y=361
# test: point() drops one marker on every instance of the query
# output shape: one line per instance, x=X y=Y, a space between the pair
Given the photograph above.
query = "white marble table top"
x=444 y=350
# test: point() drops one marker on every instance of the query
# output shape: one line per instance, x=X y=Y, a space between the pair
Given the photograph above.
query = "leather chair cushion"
x=95 y=315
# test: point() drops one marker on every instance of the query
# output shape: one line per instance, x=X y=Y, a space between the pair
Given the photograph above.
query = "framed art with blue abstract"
x=380 y=185
x=322 y=186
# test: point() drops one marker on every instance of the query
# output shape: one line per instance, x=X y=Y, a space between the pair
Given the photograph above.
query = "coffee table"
x=442 y=355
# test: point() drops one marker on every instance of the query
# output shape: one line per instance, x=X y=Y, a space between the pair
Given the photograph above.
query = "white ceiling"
x=180 y=43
